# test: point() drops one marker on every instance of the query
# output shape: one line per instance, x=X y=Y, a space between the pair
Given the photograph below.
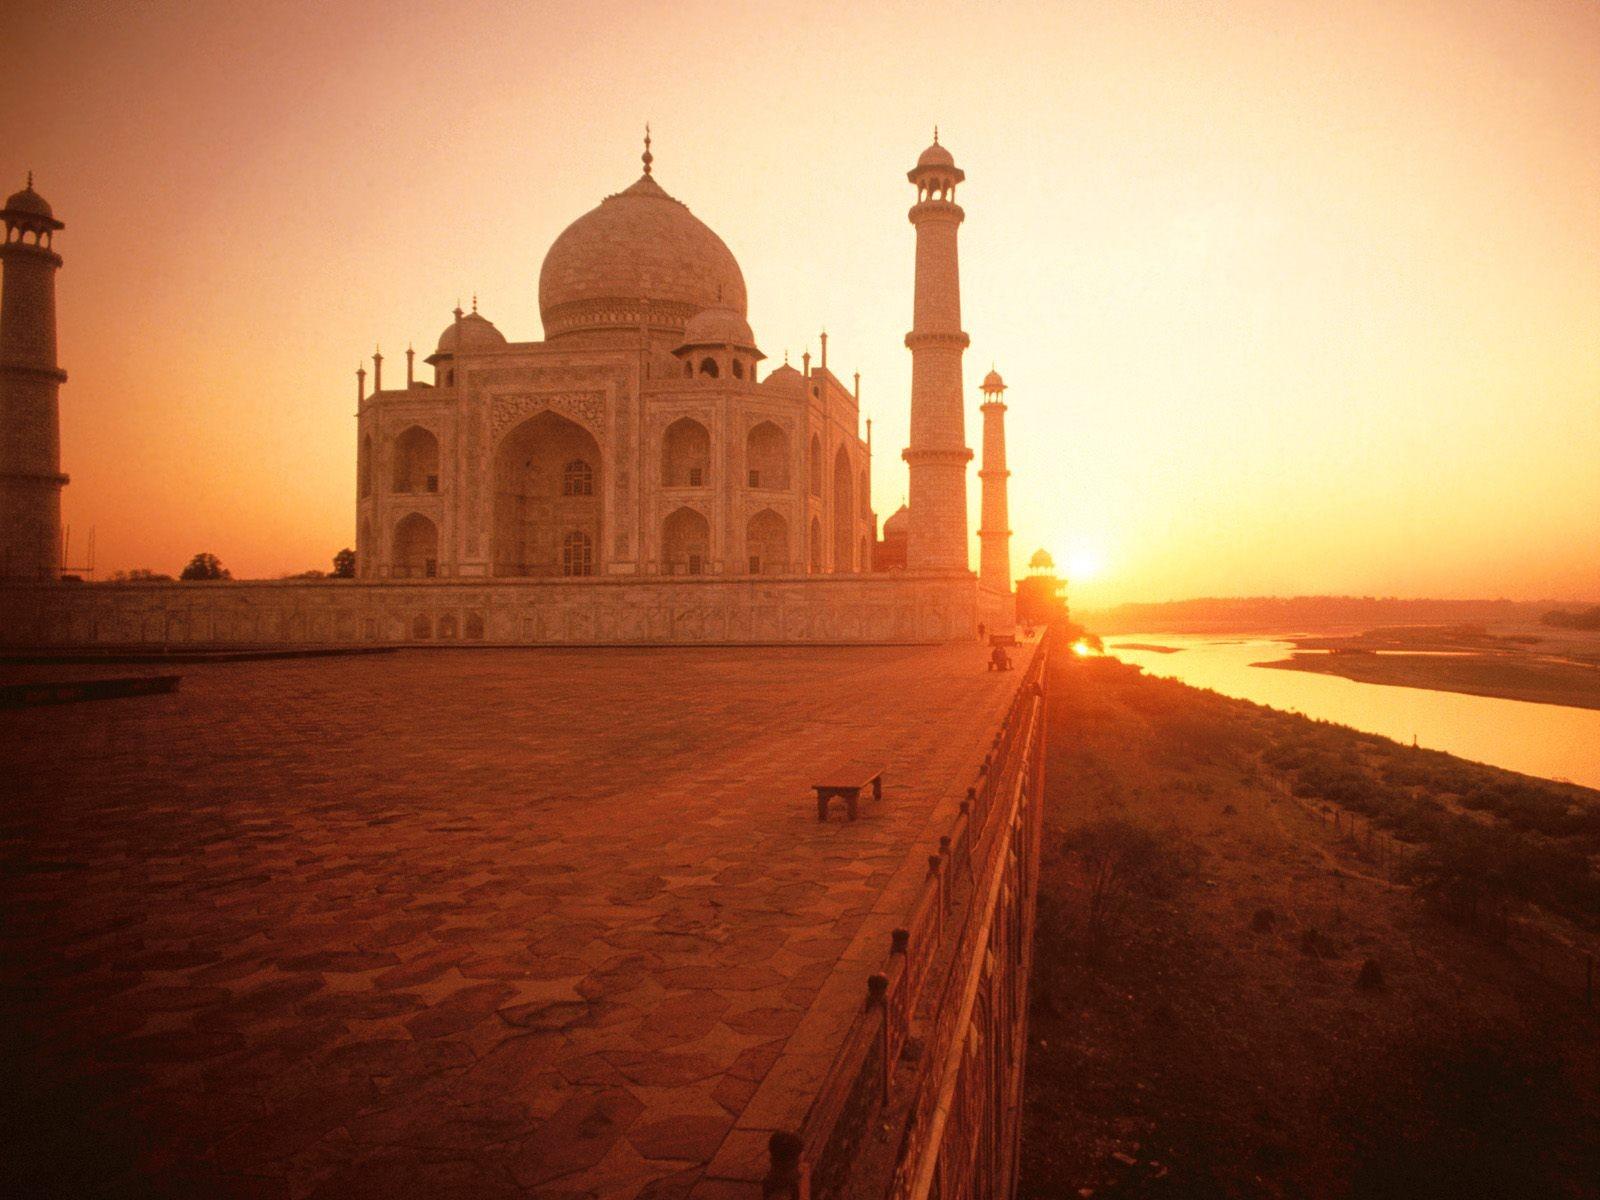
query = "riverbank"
x=1537 y=667
x=1225 y=1035
x=1498 y=675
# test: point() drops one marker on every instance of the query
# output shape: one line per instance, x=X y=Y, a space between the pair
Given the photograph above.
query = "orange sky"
x=1291 y=298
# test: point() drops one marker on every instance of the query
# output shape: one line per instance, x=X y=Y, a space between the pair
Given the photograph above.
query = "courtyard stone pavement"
x=464 y=923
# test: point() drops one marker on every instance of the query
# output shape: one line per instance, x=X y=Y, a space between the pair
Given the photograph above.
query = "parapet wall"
x=842 y=609
x=924 y=1098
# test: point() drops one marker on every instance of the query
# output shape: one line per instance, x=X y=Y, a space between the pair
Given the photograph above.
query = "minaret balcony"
x=936 y=210
x=918 y=338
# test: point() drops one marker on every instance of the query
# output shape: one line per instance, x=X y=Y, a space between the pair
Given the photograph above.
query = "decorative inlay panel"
x=587 y=407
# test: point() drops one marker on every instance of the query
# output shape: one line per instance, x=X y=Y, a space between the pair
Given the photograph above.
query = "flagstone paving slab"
x=475 y=922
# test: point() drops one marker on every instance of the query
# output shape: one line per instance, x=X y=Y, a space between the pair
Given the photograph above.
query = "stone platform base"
x=799 y=610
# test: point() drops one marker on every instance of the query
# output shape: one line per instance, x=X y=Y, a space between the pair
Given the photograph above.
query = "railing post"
x=878 y=998
x=783 y=1171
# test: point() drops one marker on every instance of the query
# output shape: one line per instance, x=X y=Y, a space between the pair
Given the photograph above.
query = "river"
x=1537 y=739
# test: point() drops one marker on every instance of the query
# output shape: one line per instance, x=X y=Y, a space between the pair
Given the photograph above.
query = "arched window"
x=577 y=478
x=738 y=369
x=766 y=540
x=685 y=543
x=416 y=548
x=766 y=457
x=816 y=546
x=816 y=465
x=844 y=514
x=577 y=553
x=686 y=454
x=866 y=555
x=708 y=367
x=416 y=461
x=864 y=497
x=420 y=627
x=364 y=468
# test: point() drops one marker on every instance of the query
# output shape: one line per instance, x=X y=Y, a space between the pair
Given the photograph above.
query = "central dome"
x=640 y=258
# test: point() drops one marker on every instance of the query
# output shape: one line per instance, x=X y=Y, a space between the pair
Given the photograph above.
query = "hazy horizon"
x=1290 y=301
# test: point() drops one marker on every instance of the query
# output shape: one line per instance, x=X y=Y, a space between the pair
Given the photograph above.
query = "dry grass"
x=1232 y=1039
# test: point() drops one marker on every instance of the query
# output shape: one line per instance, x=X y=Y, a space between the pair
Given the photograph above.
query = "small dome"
x=785 y=377
x=993 y=383
x=28 y=203
x=477 y=333
x=718 y=327
x=1041 y=561
x=935 y=156
x=899 y=522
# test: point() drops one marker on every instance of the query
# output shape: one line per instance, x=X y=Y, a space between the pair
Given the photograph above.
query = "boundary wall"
x=924 y=1098
x=799 y=610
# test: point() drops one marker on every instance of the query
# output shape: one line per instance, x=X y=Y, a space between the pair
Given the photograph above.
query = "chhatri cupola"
x=469 y=332
x=640 y=260
x=936 y=173
x=717 y=344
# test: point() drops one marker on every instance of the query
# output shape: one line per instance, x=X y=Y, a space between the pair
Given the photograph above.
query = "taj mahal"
x=636 y=476
x=713 y=875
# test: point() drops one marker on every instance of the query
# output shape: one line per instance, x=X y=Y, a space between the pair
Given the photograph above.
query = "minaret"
x=994 y=534
x=30 y=382
x=938 y=455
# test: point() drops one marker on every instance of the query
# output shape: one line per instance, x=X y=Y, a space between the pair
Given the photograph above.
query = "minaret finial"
x=647 y=156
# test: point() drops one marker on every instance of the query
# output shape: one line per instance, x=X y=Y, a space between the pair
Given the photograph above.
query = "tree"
x=1121 y=860
x=205 y=566
x=344 y=564
x=140 y=575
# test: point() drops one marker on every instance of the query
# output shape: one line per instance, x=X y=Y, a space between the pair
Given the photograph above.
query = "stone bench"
x=850 y=793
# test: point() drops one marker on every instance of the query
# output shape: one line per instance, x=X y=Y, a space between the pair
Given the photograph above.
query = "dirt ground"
x=1215 y=1043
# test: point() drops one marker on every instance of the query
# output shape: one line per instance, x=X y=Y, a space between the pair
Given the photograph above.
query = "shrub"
x=1122 y=860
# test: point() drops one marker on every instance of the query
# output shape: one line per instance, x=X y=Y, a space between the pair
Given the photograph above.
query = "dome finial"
x=647 y=156
x=935 y=135
x=474 y=301
x=30 y=180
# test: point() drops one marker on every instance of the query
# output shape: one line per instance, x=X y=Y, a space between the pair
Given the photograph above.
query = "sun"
x=1084 y=563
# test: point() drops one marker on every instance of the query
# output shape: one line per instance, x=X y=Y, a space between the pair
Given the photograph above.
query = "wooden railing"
x=934 y=947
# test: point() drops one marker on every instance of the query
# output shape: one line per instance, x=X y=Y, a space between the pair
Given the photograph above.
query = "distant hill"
x=1249 y=614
